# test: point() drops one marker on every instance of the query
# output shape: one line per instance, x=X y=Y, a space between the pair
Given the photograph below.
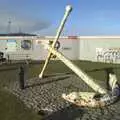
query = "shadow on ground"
x=103 y=69
x=69 y=113
x=46 y=81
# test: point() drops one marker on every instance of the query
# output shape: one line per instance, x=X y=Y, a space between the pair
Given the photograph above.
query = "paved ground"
x=44 y=96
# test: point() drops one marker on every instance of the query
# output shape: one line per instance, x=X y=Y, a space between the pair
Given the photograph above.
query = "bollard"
x=21 y=78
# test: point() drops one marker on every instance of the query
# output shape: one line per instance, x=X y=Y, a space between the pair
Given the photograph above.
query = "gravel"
x=44 y=97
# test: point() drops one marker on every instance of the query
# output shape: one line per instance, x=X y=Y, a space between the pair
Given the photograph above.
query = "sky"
x=88 y=17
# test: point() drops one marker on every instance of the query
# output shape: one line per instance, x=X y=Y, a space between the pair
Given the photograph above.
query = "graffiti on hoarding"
x=108 y=54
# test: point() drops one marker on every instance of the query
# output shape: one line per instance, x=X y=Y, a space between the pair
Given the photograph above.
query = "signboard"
x=11 y=45
x=26 y=44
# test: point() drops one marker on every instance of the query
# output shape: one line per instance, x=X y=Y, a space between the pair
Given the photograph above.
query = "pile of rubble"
x=44 y=97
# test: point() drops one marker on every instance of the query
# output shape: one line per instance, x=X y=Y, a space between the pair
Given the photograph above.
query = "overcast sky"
x=89 y=17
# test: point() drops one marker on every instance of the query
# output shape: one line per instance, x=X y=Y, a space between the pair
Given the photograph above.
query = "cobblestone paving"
x=44 y=97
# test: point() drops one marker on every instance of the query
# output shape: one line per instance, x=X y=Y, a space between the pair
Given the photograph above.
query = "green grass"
x=11 y=108
x=93 y=69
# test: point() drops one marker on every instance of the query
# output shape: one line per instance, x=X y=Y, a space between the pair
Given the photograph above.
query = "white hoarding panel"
x=11 y=45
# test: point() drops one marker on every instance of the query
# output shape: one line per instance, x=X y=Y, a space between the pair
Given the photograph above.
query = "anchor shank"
x=87 y=79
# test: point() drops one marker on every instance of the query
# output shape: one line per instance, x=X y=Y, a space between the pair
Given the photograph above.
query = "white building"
x=92 y=48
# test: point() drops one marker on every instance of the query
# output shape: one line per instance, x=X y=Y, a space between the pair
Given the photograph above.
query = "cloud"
x=20 y=22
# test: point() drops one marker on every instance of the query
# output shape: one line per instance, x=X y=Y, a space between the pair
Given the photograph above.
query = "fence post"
x=21 y=78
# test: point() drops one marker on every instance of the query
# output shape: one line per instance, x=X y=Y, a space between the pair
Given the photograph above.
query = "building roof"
x=17 y=34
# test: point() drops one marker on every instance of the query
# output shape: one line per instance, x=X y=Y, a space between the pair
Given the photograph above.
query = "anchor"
x=101 y=97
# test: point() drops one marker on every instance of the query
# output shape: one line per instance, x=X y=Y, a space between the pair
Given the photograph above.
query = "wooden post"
x=67 y=12
x=21 y=77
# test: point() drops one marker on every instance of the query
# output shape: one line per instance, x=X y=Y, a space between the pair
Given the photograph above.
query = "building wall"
x=92 y=48
x=90 y=45
x=69 y=47
x=13 y=49
x=3 y=45
x=39 y=53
